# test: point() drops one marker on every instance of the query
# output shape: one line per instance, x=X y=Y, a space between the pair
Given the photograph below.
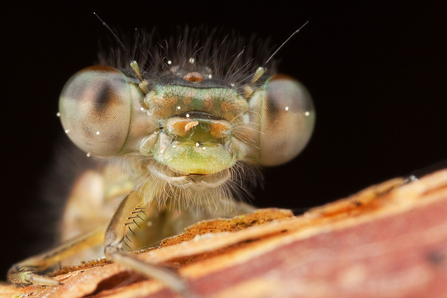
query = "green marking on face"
x=190 y=156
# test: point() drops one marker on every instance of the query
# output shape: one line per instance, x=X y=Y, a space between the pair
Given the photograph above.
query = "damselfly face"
x=198 y=109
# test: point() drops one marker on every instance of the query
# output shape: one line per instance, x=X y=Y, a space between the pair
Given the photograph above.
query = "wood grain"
x=389 y=240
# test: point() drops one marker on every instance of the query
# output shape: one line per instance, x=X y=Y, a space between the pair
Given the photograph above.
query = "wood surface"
x=389 y=240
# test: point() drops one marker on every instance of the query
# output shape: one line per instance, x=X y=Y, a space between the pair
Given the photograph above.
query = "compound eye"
x=288 y=118
x=95 y=107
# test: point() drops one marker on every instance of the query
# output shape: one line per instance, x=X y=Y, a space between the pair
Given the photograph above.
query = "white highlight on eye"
x=197 y=144
x=187 y=115
x=287 y=108
x=307 y=113
x=97 y=132
x=67 y=131
x=58 y=114
x=192 y=60
x=178 y=107
x=88 y=154
x=169 y=62
x=210 y=76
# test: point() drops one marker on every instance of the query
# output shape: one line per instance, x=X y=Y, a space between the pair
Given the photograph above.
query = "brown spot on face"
x=187 y=100
x=208 y=102
x=178 y=128
x=220 y=129
x=162 y=112
x=228 y=106
x=189 y=95
x=165 y=101
x=170 y=101
x=193 y=76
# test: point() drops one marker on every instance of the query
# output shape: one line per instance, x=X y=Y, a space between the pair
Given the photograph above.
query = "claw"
x=26 y=276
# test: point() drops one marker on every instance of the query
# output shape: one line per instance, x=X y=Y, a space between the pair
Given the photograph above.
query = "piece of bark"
x=389 y=240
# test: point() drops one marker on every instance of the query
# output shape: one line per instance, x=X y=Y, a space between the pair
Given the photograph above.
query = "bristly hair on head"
x=229 y=57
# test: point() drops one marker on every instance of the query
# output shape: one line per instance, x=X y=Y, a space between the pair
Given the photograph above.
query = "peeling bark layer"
x=389 y=240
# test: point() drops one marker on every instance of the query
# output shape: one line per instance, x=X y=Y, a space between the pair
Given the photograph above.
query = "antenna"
x=296 y=31
x=115 y=36
x=133 y=64
x=260 y=71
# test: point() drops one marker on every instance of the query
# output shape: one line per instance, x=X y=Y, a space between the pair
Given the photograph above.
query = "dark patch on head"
x=274 y=94
x=282 y=94
x=273 y=107
x=104 y=98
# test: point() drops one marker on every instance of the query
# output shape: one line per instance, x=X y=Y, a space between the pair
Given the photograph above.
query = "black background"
x=376 y=72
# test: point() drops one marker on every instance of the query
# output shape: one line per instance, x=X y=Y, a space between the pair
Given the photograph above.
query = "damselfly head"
x=195 y=104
